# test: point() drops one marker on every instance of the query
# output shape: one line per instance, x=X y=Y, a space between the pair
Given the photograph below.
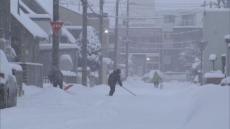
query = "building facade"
x=5 y=26
x=216 y=26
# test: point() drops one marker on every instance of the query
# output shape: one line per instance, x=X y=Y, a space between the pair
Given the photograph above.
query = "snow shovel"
x=129 y=91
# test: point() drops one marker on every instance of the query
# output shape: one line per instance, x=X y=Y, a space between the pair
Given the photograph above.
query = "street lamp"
x=148 y=59
x=227 y=40
x=106 y=31
x=202 y=46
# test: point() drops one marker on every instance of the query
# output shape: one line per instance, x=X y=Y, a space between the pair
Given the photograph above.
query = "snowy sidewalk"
x=177 y=106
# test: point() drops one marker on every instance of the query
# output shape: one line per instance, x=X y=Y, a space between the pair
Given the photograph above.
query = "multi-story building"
x=168 y=44
x=182 y=30
x=216 y=26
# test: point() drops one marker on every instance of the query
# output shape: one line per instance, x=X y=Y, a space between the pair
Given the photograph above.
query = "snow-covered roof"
x=214 y=74
x=47 y=5
x=68 y=35
x=32 y=27
x=191 y=27
x=48 y=46
x=39 y=16
x=217 y=10
x=72 y=7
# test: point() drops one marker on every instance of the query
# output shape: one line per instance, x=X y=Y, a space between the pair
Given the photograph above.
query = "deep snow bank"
x=177 y=106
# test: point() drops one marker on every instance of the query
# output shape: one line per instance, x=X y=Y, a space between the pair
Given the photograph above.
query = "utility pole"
x=55 y=46
x=1 y=19
x=127 y=41
x=101 y=39
x=116 y=36
x=84 y=42
x=202 y=46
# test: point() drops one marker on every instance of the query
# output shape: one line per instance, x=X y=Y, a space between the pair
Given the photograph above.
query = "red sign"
x=56 y=26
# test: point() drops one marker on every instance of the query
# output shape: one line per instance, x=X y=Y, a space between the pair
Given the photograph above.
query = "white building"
x=216 y=26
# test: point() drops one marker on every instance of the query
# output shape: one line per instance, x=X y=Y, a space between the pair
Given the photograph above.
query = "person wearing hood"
x=114 y=78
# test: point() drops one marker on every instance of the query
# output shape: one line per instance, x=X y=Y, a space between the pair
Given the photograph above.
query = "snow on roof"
x=26 y=7
x=32 y=27
x=48 y=46
x=39 y=16
x=47 y=5
x=72 y=7
x=68 y=35
x=192 y=27
x=32 y=14
x=217 y=9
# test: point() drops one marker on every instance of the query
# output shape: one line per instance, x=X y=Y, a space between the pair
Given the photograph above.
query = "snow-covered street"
x=177 y=106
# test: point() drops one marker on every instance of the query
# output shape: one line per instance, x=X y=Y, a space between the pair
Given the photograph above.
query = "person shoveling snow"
x=114 y=78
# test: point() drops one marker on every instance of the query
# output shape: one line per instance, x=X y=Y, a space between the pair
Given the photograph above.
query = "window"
x=169 y=19
x=188 y=20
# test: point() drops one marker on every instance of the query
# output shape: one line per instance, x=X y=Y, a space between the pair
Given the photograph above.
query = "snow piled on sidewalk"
x=177 y=106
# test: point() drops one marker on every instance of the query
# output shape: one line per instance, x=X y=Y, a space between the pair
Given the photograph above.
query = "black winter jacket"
x=114 y=78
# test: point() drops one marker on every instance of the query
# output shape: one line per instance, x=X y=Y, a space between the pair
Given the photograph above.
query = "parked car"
x=8 y=83
x=225 y=82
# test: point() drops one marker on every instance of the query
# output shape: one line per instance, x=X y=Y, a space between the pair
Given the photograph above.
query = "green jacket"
x=156 y=77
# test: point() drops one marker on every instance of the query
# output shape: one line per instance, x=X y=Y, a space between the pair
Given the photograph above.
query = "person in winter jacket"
x=156 y=79
x=114 y=78
x=56 y=77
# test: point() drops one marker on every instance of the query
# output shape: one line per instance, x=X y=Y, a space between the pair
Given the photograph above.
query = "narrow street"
x=179 y=105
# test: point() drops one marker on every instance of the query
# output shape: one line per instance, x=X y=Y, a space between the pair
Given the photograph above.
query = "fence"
x=32 y=73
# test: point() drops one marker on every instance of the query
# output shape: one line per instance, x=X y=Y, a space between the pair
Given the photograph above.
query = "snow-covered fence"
x=32 y=73
x=214 y=77
x=69 y=76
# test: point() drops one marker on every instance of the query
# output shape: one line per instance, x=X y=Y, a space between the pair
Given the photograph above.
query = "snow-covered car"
x=225 y=82
x=8 y=83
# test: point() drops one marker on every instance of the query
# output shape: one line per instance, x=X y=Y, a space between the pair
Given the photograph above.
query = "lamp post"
x=227 y=40
x=202 y=46
x=115 y=65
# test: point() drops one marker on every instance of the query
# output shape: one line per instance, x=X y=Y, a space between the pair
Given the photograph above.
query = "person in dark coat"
x=114 y=78
x=56 y=77
x=156 y=79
